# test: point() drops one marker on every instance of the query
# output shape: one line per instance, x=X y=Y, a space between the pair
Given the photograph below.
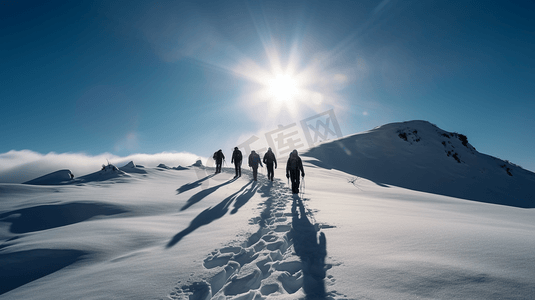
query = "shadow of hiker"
x=202 y=194
x=242 y=199
x=311 y=252
x=206 y=217
x=188 y=186
x=265 y=189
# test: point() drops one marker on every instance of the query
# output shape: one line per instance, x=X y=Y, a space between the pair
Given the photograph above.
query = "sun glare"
x=283 y=88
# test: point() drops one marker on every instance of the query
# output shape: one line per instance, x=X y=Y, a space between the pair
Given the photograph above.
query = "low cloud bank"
x=21 y=166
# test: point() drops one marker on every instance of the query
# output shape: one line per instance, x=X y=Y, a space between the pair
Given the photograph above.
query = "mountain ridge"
x=418 y=155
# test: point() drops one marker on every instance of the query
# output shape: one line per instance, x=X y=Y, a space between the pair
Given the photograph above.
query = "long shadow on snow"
x=265 y=191
x=20 y=268
x=44 y=217
x=311 y=252
x=208 y=215
x=202 y=194
x=189 y=186
x=242 y=199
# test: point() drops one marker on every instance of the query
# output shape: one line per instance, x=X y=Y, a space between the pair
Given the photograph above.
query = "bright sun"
x=283 y=88
x=282 y=91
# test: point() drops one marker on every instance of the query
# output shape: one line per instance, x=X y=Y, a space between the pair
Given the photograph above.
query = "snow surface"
x=58 y=177
x=351 y=234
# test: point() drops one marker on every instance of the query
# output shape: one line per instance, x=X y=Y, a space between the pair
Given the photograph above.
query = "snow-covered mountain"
x=420 y=156
x=385 y=214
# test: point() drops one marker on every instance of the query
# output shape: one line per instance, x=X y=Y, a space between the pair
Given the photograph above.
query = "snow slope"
x=58 y=177
x=190 y=234
x=420 y=156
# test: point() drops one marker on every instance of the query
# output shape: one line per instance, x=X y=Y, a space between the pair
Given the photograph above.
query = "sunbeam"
x=282 y=88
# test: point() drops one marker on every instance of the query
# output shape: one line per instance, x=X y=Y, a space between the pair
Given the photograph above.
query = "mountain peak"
x=419 y=155
x=130 y=165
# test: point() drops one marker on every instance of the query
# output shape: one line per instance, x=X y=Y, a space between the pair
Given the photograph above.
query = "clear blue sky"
x=151 y=76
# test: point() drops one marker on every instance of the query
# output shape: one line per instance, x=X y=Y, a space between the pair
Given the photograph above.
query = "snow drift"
x=58 y=177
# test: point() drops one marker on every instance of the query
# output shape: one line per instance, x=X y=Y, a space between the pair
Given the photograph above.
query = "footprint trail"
x=284 y=259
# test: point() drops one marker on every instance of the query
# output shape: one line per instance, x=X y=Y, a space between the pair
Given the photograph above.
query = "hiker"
x=293 y=166
x=254 y=160
x=236 y=159
x=218 y=157
x=269 y=159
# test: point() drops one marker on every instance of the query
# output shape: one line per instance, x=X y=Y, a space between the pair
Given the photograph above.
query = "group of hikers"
x=294 y=166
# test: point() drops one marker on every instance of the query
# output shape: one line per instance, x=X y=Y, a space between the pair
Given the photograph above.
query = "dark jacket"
x=218 y=156
x=269 y=158
x=254 y=160
x=294 y=164
x=236 y=157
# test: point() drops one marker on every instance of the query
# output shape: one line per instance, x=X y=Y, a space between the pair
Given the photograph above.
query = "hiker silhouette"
x=218 y=157
x=237 y=159
x=294 y=168
x=270 y=160
x=254 y=161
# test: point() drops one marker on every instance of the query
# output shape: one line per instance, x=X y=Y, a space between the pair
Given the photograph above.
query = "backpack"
x=254 y=160
x=269 y=158
x=292 y=163
x=218 y=156
x=238 y=156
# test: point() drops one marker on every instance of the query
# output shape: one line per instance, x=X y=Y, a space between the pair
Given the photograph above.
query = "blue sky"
x=173 y=76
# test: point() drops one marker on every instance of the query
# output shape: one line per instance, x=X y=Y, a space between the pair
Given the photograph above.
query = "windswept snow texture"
x=179 y=168
x=133 y=168
x=22 y=267
x=58 y=177
x=420 y=156
x=192 y=234
x=44 y=217
x=107 y=173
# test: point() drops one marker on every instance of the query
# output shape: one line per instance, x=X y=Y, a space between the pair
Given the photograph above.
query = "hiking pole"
x=303 y=193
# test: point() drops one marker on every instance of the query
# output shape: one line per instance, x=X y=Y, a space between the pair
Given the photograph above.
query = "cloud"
x=21 y=166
